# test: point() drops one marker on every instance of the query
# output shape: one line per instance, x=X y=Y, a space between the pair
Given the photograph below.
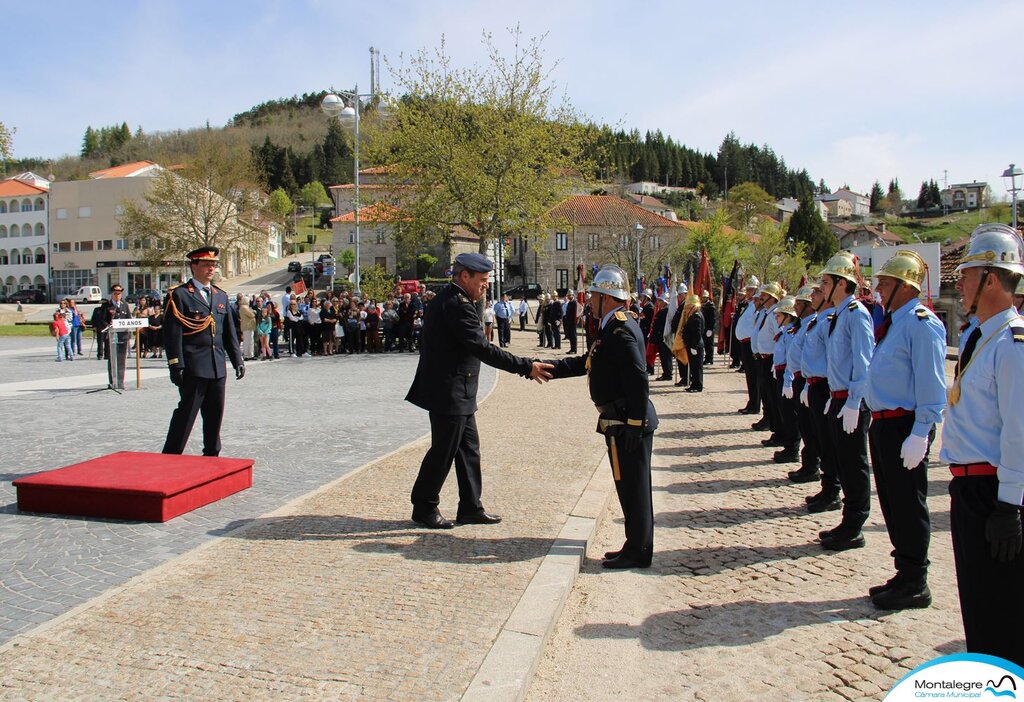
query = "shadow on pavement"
x=725 y=516
x=733 y=624
x=705 y=487
x=701 y=449
x=693 y=433
x=393 y=536
x=706 y=466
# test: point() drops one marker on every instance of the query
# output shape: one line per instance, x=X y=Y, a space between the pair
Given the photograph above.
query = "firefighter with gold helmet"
x=617 y=371
x=794 y=383
x=789 y=436
x=850 y=343
x=906 y=394
x=746 y=311
x=763 y=346
x=816 y=397
x=983 y=442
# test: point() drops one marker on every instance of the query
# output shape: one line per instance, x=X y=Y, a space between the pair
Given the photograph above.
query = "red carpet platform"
x=149 y=487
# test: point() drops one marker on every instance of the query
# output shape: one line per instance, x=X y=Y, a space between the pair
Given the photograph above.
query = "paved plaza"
x=315 y=584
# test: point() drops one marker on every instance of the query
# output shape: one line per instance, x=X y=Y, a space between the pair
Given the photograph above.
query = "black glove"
x=631 y=438
x=240 y=371
x=1003 y=531
x=177 y=374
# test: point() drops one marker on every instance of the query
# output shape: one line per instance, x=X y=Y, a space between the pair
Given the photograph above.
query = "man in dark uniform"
x=710 y=320
x=98 y=322
x=452 y=347
x=618 y=386
x=658 y=337
x=199 y=332
x=117 y=342
x=571 y=315
x=693 y=339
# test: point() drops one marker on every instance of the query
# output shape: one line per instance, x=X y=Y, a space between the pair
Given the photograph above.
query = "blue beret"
x=475 y=262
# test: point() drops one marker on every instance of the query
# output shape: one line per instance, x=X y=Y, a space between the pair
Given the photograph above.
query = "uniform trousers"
x=768 y=393
x=811 y=452
x=734 y=346
x=634 y=491
x=570 y=336
x=709 y=349
x=697 y=368
x=198 y=396
x=788 y=432
x=665 y=356
x=453 y=437
x=504 y=330
x=818 y=397
x=852 y=461
x=902 y=495
x=750 y=372
x=990 y=592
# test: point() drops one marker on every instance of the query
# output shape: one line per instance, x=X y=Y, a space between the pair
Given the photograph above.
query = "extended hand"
x=177 y=374
x=1003 y=532
x=851 y=417
x=541 y=372
x=240 y=371
x=631 y=438
x=913 y=450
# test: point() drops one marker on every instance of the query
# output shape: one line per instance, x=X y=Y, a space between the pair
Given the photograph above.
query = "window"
x=593 y=242
x=3 y=207
x=26 y=205
x=379 y=238
x=562 y=278
x=62 y=213
x=381 y=261
x=105 y=245
x=654 y=242
x=561 y=242
x=119 y=210
x=351 y=237
x=3 y=258
x=624 y=241
x=122 y=244
x=16 y=257
x=62 y=246
x=40 y=204
x=65 y=282
x=83 y=246
x=40 y=256
x=15 y=231
x=84 y=212
x=40 y=230
x=3 y=232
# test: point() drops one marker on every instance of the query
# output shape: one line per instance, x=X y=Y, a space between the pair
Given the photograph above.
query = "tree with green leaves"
x=876 y=197
x=90 y=142
x=314 y=195
x=775 y=256
x=485 y=148
x=280 y=204
x=893 y=200
x=347 y=260
x=714 y=235
x=749 y=199
x=6 y=146
x=376 y=283
x=806 y=227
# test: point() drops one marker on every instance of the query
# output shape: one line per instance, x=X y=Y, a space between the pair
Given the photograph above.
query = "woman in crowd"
x=276 y=326
x=313 y=325
x=155 y=330
x=328 y=320
x=296 y=330
x=142 y=311
x=263 y=325
x=389 y=323
x=373 y=327
x=352 y=328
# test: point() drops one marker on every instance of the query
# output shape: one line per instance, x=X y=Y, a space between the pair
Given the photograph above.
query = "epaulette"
x=621 y=316
x=216 y=288
x=852 y=305
x=174 y=287
x=1018 y=334
x=921 y=313
x=830 y=317
x=463 y=299
x=791 y=330
x=635 y=315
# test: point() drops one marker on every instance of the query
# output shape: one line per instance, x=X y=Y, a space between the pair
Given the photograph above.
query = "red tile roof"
x=362 y=186
x=377 y=212
x=606 y=211
x=12 y=187
x=123 y=171
x=949 y=259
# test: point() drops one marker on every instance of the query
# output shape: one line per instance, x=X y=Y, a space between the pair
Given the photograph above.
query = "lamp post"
x=637 y=231
x=1012 y=172
x=334 y=105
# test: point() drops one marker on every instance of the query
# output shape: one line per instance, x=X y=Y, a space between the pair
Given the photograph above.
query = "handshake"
x=541 y=371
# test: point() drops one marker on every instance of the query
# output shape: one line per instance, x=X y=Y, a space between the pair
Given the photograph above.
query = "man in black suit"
x=617 y=371
x=571 y=315
x=117 y=342
x=199 y=334
x=553 y=322
x=710 y=315
x=452 y=347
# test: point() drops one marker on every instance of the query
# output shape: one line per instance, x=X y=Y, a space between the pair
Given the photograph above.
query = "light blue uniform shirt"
x=908 y=369
x=502 y=310
x=745 y=324
x=849 y=348
x=781 y=351
x=814 y=357
x=794 y=358
x=987 y=424
x=763 y=341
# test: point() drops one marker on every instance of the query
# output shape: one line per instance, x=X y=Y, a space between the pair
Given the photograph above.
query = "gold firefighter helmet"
x=752 y=282
x=787 y=305
x=804 y=294
x=843 y=265
x=906 y=266
x=773 y=289
x=993 y=245
x=693 y=300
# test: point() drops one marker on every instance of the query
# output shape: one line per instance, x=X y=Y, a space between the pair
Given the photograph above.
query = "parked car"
x=35 y=297
x=530 y=291
x=86 y=293
x=152 y=295
x=294 y=266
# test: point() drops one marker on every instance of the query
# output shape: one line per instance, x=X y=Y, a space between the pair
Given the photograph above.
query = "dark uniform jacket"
x=646 y=317
x=710 y=315
x=570 y=312
x=203 y=353
x=553 y=312
x=618 y=372
x=451 y=349
x=660 y=318
x=693 y=331
x=117 y=310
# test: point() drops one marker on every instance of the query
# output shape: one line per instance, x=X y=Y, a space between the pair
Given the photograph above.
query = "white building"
x=24 y=232
x=860 y=204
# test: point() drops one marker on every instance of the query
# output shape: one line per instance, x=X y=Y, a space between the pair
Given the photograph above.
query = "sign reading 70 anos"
x=130 y=323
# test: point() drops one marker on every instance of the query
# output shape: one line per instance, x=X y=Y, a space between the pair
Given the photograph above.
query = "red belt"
x=797 y=375
x=743 y=341
x=815 y=379
x=780 y=367
x=968 y=470
x=840 y=394
x=891 y=414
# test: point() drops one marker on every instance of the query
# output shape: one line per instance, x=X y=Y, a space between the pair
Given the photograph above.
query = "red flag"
x=298 y=288
x=703 y=281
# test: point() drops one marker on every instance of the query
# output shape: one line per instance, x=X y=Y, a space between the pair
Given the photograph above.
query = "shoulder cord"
x=192 y=326
x=954 y=393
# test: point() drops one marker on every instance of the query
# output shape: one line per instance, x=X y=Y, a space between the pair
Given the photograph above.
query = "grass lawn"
x=942 y=230
x=25 y=330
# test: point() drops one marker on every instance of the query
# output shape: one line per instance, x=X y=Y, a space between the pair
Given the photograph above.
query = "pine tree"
x=807 y=226
x=876 y=196
x=90 y=143
x=923 y=196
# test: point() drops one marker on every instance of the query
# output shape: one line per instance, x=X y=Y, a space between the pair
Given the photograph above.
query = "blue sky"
x=851 y=91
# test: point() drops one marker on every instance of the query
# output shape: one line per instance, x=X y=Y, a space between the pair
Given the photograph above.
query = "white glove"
x=787 y=392
x=828 y=403
x=805 y=399
x=851 y=417
x=708 y=333
x=693 y=352
x=913 y=450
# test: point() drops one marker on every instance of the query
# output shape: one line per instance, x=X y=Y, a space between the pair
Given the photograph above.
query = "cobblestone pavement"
x=741 y=603
x=336 y=596
x=305 y=421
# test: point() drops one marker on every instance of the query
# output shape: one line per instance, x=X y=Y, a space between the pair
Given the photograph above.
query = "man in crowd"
x=983 y=441
x=199 y=334
x=571 y=315
x=710 y=315
x=447 y=375
x=744 y=333
x=793 y=388
x=503 y=318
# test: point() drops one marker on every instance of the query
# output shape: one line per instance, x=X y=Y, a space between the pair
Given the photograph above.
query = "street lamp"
x=334 y=105
x=637 y=230
x=1012 y=172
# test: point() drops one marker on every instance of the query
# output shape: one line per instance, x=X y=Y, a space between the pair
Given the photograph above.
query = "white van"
x=87 y=293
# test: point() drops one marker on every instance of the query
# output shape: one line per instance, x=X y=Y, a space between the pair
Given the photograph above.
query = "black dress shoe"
x=750 y=411
x=664 y=377
x=803 y=476
x=816 y=497
x=680 y=384
x=694 y=389
x=772 y=440
x=433 y=520
x=905 y=596
x=786 y=456
x=844 y=541
x=482 y=518
x=760 y=425
x=620 y=562
x=889 y=584
x=830 y=504
x=608 y=555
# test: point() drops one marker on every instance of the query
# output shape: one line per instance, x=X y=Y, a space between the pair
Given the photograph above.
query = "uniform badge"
x=220 y=306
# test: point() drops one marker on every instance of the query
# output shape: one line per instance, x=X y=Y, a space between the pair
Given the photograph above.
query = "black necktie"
x=884 y=329
x=209 y=295
x=832 y=318
x=965 y=358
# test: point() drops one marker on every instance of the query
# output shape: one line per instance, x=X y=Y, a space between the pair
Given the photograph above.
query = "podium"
x=118 y=336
